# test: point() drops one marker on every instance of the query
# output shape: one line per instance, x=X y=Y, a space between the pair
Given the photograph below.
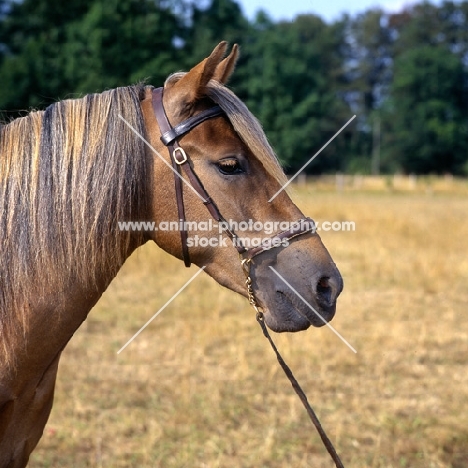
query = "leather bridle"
x=180 y=161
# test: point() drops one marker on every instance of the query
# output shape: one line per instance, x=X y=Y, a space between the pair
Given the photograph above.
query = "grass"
x=200 y=387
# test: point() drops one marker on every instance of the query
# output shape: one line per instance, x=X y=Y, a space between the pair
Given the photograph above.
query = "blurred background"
x=403 y=72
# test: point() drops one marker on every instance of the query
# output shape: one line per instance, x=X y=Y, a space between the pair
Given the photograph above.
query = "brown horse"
x=70 y=174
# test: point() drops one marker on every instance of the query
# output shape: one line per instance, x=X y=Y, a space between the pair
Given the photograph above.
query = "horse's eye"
x=229 y=166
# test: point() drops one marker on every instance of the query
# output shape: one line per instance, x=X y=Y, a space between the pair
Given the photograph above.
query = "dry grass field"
x=200 y=387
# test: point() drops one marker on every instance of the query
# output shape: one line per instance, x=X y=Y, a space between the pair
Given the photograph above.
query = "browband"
x=175 y=132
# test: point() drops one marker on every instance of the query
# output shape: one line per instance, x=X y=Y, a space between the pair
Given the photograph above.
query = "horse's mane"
x=67 y=176
x=245 y=124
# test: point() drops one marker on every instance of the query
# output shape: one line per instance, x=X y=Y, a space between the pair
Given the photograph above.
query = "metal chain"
x=250 y=292
x=246 y=263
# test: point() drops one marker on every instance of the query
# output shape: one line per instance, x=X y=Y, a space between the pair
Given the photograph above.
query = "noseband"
x=180 y=161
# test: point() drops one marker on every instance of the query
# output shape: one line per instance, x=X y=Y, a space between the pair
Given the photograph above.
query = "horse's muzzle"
x=291 y=311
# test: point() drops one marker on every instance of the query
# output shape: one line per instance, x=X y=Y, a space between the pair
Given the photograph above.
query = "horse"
x=188 y=151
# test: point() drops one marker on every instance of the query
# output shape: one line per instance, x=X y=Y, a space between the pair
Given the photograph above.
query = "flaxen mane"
x=67 y=176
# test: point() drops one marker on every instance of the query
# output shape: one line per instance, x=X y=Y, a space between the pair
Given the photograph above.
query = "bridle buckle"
x=182 y=153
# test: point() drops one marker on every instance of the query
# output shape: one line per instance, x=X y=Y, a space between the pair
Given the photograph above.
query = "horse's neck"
x=27 y=387
x=51 y=320
x=53 y=312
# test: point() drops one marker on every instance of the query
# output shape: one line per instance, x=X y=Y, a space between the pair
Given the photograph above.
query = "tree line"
x=404 y=75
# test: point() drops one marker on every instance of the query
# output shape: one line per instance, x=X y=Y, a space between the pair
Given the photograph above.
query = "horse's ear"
x=191 y=86
x=224 y=70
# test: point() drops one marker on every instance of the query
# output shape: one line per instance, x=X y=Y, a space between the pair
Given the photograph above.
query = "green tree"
x=303 y=79
x=118 y=42
x=429 y=24
x=368 y=60
x=53 y=49
x=426 y=120
x=293 y=71
x=221 y=20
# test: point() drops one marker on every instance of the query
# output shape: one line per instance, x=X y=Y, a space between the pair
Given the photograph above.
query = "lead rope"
x=246 y=262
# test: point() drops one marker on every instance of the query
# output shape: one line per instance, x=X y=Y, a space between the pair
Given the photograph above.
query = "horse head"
x=296 y=283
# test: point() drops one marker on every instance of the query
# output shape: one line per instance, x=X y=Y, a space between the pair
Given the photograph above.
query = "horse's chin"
x=288 y=314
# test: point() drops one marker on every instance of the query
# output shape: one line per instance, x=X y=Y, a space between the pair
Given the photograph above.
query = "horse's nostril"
x=323 y=282
x=324 y=290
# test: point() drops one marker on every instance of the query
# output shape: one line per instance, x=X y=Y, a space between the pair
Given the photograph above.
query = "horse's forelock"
x=245 y=124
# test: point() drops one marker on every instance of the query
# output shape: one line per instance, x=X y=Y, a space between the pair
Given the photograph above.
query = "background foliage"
x=404 y=75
